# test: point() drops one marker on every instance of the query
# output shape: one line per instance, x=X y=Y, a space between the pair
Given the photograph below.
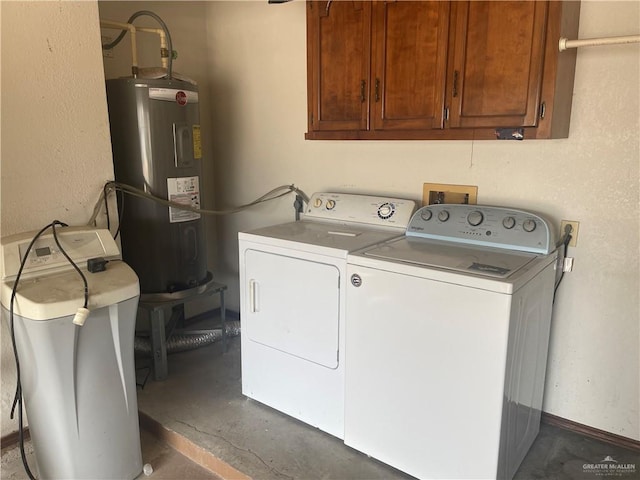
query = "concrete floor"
x=167 y=463
x=202 y=401
x=201 y=411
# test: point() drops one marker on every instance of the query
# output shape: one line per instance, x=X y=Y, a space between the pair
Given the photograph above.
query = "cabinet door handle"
x=455 y=83
x=328 y=6
x=363 y=86
x=377 y=89
x=253 y=296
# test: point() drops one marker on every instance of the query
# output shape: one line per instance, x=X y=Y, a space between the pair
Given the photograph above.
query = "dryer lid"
x=337 y=237
x=489 y=262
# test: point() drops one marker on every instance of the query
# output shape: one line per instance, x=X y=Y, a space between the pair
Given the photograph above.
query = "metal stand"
x=171 y=305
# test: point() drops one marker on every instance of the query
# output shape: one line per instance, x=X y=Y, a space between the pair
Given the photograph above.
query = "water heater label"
x=197 y=142
x=186 y=191
x=173 y=95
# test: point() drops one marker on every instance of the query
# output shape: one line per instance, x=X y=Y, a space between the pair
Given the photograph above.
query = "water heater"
x=155 y=137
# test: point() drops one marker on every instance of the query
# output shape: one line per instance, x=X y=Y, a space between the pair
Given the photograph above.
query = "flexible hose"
x=188 y=340
x=136 y=192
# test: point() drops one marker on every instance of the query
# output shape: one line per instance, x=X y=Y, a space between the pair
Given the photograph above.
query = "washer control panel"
x=498 y=227
x=366 y=209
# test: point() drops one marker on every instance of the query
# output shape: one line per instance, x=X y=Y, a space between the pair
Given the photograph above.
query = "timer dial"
x=443 y=215
x=426 y=215
x=385 y=210
x=475 y=218
x=331 y=204
x=317 y=203
x=529 y=225
x=508 y=222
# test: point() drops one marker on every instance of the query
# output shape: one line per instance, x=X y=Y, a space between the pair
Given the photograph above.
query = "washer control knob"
x=330 y=204
x=317 y=203
x=385 y=210
x=508 y=222
x=443 y=215
x=426 y=214
x=475 y=218
x=529 y=225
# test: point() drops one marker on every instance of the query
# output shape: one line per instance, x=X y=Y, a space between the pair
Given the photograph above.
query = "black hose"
x=564 y=242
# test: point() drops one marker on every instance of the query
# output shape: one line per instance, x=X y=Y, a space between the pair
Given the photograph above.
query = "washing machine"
x=292 y=302
x=447 y=339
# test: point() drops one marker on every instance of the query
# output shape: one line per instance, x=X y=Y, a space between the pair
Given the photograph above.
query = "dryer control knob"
x=475 y=218
x=508 y=222
x=529 y=225
x=385 y=210
x=331 y=204
x=317 y=203
x=443 y=215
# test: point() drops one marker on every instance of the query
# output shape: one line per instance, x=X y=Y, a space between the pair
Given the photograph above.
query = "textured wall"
x=258 y=73
x=55 y=156
x=56 y=152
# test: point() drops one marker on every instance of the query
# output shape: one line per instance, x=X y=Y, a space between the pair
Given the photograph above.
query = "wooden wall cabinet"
x=438 y=69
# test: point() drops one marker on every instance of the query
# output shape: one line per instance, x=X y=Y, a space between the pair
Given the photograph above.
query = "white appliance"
x=78 y=382
x=446 y=342
x=292 y=302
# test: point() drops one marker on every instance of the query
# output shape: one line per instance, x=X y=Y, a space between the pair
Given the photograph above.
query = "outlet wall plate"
x=447 y=193
x=575 y=226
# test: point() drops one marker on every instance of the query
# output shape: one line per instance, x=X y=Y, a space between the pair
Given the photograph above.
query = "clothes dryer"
x=292 y=302
x=447 y=339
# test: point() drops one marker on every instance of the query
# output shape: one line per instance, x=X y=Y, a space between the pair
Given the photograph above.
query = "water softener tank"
x=155 y=136
x=78 y=382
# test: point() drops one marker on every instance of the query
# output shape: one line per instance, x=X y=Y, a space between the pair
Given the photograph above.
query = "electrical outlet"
x=444 y=193
x=575 y=226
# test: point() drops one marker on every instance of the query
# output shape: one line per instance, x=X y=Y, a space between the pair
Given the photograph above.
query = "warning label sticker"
x=197 y=142
x=185 y=191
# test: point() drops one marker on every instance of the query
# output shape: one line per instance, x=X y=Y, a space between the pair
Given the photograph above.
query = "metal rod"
x=565 y=43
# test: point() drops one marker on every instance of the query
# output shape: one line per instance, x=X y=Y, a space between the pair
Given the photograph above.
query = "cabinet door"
x=496 y=73
x=409 y=64
x=338 y=56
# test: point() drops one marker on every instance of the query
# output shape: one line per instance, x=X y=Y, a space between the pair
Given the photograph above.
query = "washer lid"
x=488 y=262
